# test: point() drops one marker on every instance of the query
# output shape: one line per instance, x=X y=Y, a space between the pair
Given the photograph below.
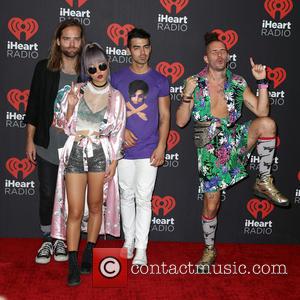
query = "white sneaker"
x=140 y=257
x=130 y=248
x=44 y=253
x=60 y=251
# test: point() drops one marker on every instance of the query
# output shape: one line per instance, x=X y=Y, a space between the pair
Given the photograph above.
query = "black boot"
x=87 y=259
x=74 y=274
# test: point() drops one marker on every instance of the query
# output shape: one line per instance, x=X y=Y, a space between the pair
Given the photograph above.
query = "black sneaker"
x=44 y=253
x=60 y=251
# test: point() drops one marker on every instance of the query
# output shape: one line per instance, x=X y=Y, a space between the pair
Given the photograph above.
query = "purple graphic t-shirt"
x=141 y=93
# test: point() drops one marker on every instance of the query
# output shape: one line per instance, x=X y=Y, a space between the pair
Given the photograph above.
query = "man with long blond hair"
x=51 y=78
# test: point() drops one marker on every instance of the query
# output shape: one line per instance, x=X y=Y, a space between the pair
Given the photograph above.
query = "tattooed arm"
x=259 y=105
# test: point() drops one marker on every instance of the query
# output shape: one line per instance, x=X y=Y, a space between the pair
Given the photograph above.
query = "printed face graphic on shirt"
x=137 y=90
x=58 y=115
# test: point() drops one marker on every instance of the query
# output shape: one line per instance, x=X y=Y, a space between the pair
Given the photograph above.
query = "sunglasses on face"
x=101 y=67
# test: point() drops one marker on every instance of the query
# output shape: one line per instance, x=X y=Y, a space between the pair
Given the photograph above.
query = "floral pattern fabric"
x=221 y=162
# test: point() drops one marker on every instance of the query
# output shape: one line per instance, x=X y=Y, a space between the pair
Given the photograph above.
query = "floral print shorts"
x=222 y=162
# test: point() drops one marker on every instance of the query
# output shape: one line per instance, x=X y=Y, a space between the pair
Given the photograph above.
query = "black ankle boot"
x=74 y=274
x=87 y=259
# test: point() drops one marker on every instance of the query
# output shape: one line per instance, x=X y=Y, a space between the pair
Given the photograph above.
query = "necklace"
x=98 y=86
x=98 y=89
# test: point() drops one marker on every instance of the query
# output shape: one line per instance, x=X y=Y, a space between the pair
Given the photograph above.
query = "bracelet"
x=187 y=97
x=186 y=101
x=262 y=81
x=263 y=86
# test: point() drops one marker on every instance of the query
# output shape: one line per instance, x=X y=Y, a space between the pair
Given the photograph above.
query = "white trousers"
x=136 y=180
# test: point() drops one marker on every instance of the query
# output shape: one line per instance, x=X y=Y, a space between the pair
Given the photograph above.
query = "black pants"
x=47 y=175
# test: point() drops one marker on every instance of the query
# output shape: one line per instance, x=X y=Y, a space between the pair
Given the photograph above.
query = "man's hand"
x=258 y=71
x=190 y=85
x=31 y=151
x=158 y=157
x=111 y=170
x=129 y=139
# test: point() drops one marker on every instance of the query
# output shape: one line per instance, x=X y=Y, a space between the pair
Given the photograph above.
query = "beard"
x=219 y=67
x=70 y=52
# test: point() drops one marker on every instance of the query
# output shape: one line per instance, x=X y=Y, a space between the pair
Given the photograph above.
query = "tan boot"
x=208 y=258
x=265 y=188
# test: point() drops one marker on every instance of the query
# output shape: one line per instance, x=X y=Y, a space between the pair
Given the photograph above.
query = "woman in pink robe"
x=93 y=115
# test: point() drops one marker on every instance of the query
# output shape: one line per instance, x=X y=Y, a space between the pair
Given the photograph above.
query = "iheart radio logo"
x=228 y=37
x=174 y=70
x=255 y=206
x=298 y=176
x=15 y=165
x=179 y=4
x=173 y=139
x=29 y=26
x=166 y=203
x=116 y=32
x=80 y=2
x=16 y=97
x=277 y=75
x=283 y=7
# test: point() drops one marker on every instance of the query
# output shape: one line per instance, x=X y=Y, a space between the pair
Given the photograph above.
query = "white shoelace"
x=60 y=247
x=46 y=249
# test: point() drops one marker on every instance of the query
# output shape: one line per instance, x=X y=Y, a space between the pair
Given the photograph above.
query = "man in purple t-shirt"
x=146 y=93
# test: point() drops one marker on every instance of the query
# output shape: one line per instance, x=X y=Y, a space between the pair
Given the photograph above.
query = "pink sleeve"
x=116 y=137
x=61 y=112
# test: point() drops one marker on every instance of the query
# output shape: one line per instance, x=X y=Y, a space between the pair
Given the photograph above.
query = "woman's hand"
x=73 y=97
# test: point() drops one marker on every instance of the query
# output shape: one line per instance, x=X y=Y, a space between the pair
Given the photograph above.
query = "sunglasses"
x=101 y=67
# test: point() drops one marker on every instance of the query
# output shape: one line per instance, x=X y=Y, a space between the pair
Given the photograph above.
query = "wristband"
x=263 y=86
x=262 y=81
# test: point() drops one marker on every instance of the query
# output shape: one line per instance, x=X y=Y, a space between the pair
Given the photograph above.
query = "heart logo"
x=228 y=37
x=174 y=70
x=255 y=206
x=80 y=2
x=29 y=26
x=116 y=32
x=16 y=97
x=283 y=7
x=179 y=4
x=166 y=203
x=15 y=165
x=277 y=75
x=173 y=139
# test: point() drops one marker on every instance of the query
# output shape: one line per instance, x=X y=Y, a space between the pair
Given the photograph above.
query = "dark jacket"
x=40 y=109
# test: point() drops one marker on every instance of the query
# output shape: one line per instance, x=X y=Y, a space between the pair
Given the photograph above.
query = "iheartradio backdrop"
x=265 y=30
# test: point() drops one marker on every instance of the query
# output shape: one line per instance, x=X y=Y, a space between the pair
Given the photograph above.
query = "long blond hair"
x=55 y=54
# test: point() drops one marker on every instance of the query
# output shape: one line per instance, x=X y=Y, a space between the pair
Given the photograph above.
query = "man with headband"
x=214 y=99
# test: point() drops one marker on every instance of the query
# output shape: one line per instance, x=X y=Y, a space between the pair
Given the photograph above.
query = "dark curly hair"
x=210 y=37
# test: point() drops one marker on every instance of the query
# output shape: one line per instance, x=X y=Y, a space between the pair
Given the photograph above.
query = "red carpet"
x=22 y=278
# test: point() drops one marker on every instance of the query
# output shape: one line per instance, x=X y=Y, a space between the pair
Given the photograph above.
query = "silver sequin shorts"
x=96 y=163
